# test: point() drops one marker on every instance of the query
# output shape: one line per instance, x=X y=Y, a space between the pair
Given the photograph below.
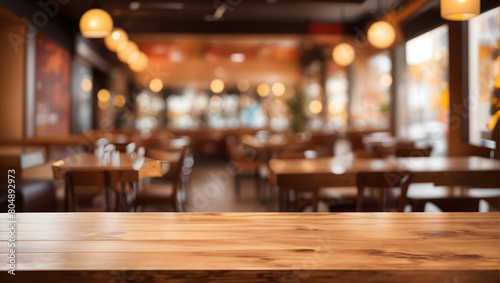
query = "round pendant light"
x=381 y=35
x=138 y=61
x=115 y=39
x=96 y=23
x=124 y=51
x=460 y=10
x=155 y=85
x=343 y=54
x=278 y=89
x=263 y=90
x=217 y=86
x=315 y=106
x=119 y=100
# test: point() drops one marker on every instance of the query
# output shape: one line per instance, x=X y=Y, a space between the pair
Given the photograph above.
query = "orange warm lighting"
x=381 y=35
x=278 y=89
x=315 y=106
x=124 y=51
x=156 y=85
x=343 y=54
x=96 y=23
x=86 y=83
x=217 y=86
x=103 y=95
x=115 y=39
x=138 y=61
x=263 y=90
x=119 y=100
x=460 y=10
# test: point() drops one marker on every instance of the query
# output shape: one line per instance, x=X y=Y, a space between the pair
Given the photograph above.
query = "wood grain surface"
x=129 y=170
x=341 y=171
x=256 y=247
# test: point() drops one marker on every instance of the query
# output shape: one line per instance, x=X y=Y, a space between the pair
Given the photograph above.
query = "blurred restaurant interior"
x=269 y=106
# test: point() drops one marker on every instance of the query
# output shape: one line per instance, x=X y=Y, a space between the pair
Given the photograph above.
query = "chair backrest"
x=413 y=152
x=365 y=154
x=87 y=178
x=164 y=156
x=454 y=204
x=292 y=155
x=481 y=151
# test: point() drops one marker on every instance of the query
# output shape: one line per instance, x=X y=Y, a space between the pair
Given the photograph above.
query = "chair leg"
x=315 y=200
x=361 y=190
x=66 y=195
x=124 y=198
x=133 y=195
x=417 y=206
x=281 y=197
x=237 y=186
x=258 y=189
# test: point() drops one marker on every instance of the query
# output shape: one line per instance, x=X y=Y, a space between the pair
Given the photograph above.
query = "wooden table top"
x=129 y=168
x=457 y=242
x=18 y=150
x=270 y=143
x=448 y=163
x=327 y=165
x=341 y=171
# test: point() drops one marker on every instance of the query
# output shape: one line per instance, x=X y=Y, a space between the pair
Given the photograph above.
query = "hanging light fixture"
x=263 y=90
x=217 y=86
x=381 y=34
x=115 y=39
x=138 y=61
x=96 y=23
x=343 y=54
x=460 y=10
x=124 y=51
x=156 y=85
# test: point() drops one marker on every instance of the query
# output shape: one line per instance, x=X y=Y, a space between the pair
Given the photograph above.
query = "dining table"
x=253 y=247
x=129 y=170
x=345 y=171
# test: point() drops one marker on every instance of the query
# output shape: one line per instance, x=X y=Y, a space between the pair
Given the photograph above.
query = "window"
x=370 y=102
x=426 y=97
x=484 y=73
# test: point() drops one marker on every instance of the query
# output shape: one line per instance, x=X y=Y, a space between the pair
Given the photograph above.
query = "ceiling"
x=231 y=16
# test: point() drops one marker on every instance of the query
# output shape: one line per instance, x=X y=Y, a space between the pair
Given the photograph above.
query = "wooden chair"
x=284 y=195
x=163 y=192
x=381 y=180
x=463 y=203
x=242 y=164
x=86 y=179
x=345 y=199
x=413 y=152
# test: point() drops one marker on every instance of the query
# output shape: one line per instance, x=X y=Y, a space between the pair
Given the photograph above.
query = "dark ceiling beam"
x=200 y=27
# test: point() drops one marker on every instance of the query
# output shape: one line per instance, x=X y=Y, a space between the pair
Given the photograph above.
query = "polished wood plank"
x=250 y=246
